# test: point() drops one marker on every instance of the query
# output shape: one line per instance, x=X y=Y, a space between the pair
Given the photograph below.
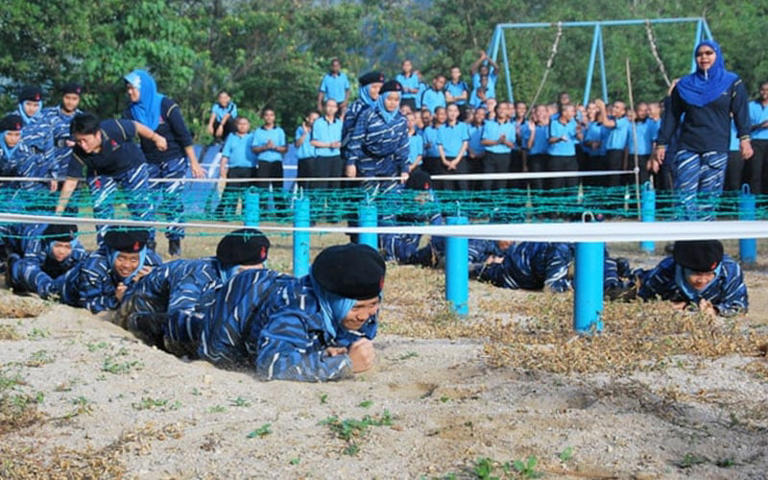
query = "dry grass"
x=8 y=332
x=18 y=411
x=21 y=307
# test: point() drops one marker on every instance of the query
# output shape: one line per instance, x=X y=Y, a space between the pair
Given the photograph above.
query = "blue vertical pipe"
x=603 y=80
x=747 y=246
x=301 y=240
x=457 y=269
x=696 y=41
x=251 y=208
x=368 y=217
x=591 y=67
x=588 y=286
x=707 y=31
x=510 y=93
x=648 y=212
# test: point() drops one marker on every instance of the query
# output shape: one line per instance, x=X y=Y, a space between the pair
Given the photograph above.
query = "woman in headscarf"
x=370 y=84
x=702 y=104
x=163 y=116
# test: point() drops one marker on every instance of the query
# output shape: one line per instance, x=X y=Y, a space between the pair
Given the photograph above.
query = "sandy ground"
x=82 y=398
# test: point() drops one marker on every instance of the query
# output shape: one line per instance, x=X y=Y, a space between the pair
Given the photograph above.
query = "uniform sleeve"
x=324 y=85
x=557 y=268
x=227 y=151
x=657 y=281
x=97 y=293
x=403 y=149
x=286 y=352
x=739 y=109
x=673 y=109
x=176 y=121
x=280 y=137
x=28 y=272
x=192 y=289
x=355 y=145
x=75 y=166
x=125 y=130
x=233 y=110
x=734 y=292
x=257 y=141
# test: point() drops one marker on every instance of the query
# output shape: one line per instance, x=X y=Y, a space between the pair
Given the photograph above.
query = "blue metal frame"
x=498 y=40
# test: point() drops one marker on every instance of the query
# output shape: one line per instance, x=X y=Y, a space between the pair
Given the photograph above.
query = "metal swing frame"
x=499 y=43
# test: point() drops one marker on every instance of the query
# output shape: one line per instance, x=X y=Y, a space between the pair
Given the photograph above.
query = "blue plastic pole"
x=510 y=94
x=648 y=212
x=457 y=269
x=301 y=240
x=588 y=285
x=747 y=246
x=696 y=41
x=368 y=217
x=603 y=80
x=251 y=208
x=591 y=67
x=707 y=31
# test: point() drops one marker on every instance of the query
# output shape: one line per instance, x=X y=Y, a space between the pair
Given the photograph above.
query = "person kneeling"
x=315 y=328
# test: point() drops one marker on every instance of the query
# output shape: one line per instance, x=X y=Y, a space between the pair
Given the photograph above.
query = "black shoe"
x=174 y=248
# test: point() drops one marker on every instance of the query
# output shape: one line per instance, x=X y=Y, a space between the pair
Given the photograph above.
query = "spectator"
x=757 y=167
x=481 y=68
x=593 y=145
x=618 y=126
x=223 y=115
x=479 y=97
x=641 y=139
x=334 y=86
x=563 y=135
x=538 y=145
x=456 y=91
x=415 y=144
x=476 y=147
x=410 y=83
x=269 y=147
x=453 y=145
x=498 y=138
x=434 y=96
x=326 y=138
x=305 y=152
x=237 y=161
x=432 y=162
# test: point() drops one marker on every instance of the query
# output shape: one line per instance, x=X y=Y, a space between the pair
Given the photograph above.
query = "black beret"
x=72 y=87
x=30 y=93
x=128 y=241
x=391 y=86
x=59 y=233
x=419 y=180
x=698 y=255
x=10 y=123
x=352 y=271
x=246 y=246
x=371 y=77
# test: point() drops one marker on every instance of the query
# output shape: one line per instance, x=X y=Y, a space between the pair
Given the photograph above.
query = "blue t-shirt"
x=494 y=130
x=452 y=138
x=617 y=136
x=492 y=77
x=457 y=89
x=432 y=99
x=334 y=86
x=735 y=144
x=595 y=133
x=260 y=138
x=325 y=132
x=305 y=150
x=646 y=135
x=220 y=111
x=411 y=81
x=525 y=135
x=541 y=141
x=475 y=136
x=238 y=150
x=429 y=137
x=415 y=148
x=757 y=115
x=563 y=148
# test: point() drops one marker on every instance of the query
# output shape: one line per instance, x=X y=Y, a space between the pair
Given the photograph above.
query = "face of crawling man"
x=699 y=280
x=362 y=311
x=61 y=250
x=126 y=263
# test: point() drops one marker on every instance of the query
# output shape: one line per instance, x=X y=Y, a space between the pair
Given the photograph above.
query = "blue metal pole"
x=301 y=240
x=707 y=31
x=648 y=212
x=506 y=66
x=588 y=286
x=696 y=41
x=457 y=269
x=747 y=246
x=368 y=217
x=605 y=23
x=603 y=81
x=251 y=208
x=591 y=67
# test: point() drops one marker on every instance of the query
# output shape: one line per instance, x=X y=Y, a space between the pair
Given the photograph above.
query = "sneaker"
x=174 y=247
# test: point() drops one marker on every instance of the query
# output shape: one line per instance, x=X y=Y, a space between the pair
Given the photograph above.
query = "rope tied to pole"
x=550 y=62
x=655 y=52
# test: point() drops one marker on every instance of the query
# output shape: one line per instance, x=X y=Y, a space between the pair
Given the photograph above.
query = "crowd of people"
x=230 y=309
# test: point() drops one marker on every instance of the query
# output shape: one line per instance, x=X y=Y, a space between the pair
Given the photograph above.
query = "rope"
x=550 y=62
x=634 y=140
x=655 y=52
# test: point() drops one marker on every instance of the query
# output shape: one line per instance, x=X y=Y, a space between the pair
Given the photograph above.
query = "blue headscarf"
x=7 y=151
x=26 y=119
x=681 y=280
x=147 y=110
x=702 y=87
x=382 y=108
x=142 y=258
x=365 y=95
x=332 y=307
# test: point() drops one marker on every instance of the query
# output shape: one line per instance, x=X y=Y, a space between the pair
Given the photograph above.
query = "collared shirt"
x=238 y=150
x=563 y=148
x=540 y=141
x=429 y=135
x=457 y=89
x=415 y=148
x=452 y=138
x=595 y=133
x=476 y=146
x=325 y=132
x=220 y=111
x=494 y=130
x=334 y=86
x=432 y=99
x=262 y=136
x=305 y=150
x=758 y=113
x=492 y=77
x=411 y=81
x=617 y=135
x=646 y=135
x=118 y=152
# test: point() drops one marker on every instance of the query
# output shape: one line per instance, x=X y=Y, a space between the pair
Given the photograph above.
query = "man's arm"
x=145 y=132
x=66 y=193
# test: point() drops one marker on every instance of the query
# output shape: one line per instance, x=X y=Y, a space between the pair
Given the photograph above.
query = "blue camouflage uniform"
x=92 y=283
x=278 y=325
x=726 y=292
x=530 y=266
x=58 y=124
x=37 y=270
x=379 y=148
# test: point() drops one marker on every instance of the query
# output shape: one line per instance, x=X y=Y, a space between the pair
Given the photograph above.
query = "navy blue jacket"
x=172 y=128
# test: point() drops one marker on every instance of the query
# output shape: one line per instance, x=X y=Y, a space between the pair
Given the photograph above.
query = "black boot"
x=174 y=247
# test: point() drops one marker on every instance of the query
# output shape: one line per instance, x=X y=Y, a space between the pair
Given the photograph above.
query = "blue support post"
x=510 y=93
x=603 y=80
x=696 y=41
x=251 y=208
x=747 y=246
x=648 y=212
x=707 y=31
x=368 y=217
x=591 y=67
x=588 y=286
x=457 y=269
x=301 y=240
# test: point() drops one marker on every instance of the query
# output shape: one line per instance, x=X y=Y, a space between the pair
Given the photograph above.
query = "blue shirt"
x=456 y=89
x=646 y=135
x=238 y=150
x=220 y=111
x=757 y=115
x=734 y=147
x=475 y=136
x=474 y=100
x=595 y=133
x=305 y=150
x=452 y=138
x=525 y=135
x=617 y=136
x=563 y=148
x=334 y=86
x=429 y=135
x=494 y=130
x=492 y=77
x=325 y=132
x=432 y=99
x=415 y=148
x=262 y=136
x=411 y=81
x=541 y=141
